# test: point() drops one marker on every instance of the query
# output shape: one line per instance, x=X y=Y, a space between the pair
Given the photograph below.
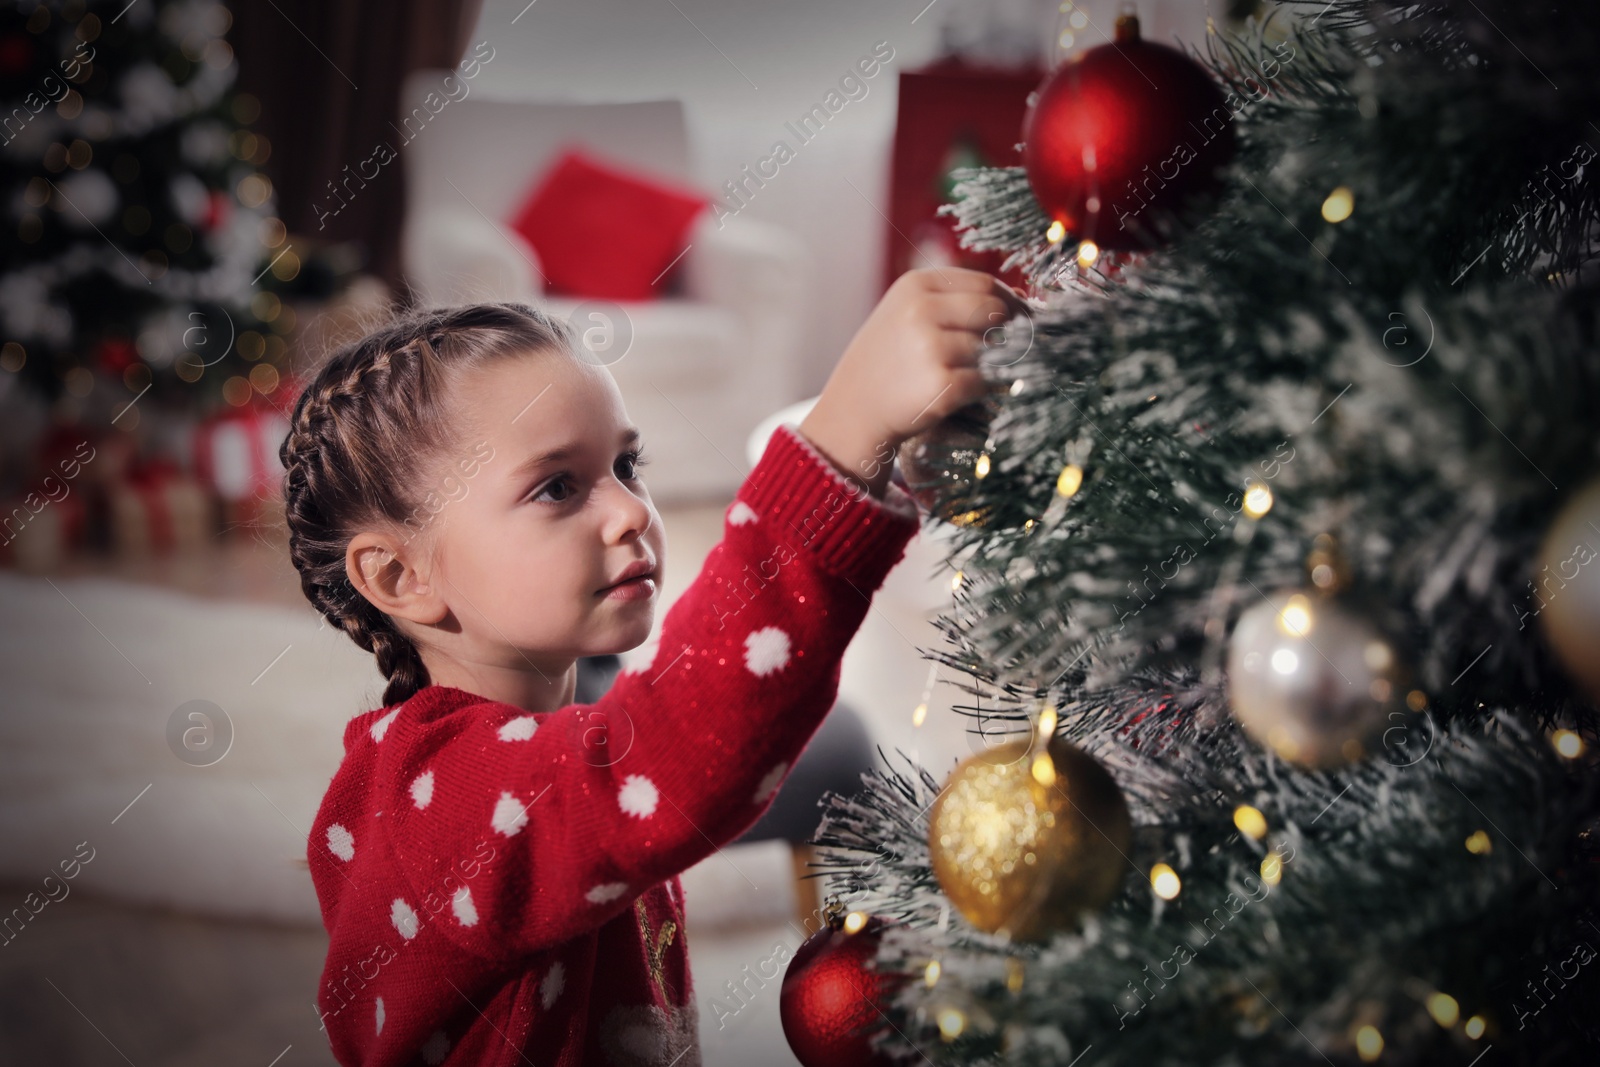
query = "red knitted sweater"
x=500 y=887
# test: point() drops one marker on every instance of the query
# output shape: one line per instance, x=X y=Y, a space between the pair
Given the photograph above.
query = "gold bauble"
x=1565 y=590
x=1019 y=856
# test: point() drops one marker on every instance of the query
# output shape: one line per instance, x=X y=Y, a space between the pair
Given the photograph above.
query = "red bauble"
x=1118 y=143
x=831 y=1002
x=16 y=55
x=219 y=206
x=116 y=354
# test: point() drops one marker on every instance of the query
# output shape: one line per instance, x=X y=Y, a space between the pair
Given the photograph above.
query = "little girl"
x=497 y=866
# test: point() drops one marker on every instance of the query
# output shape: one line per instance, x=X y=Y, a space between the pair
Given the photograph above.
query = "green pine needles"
x=1419 y=381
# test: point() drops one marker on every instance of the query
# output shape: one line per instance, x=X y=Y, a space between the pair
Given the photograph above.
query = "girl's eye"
x=554 y=483
x=633 y=459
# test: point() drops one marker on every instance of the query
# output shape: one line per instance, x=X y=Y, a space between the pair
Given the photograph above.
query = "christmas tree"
x=141 y=226
x=1278 y=608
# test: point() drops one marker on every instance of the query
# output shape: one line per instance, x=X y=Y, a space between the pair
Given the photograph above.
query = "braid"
x=362 y=431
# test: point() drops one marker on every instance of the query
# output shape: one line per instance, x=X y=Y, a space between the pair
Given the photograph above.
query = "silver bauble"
x=1565 y=591
x=1313 y=680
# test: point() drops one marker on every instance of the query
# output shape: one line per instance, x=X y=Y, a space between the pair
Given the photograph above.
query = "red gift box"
x=157 y=507
x=236 y=458
x=43 y=525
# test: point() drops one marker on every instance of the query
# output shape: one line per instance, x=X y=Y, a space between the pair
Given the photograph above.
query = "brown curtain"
x=328 y=75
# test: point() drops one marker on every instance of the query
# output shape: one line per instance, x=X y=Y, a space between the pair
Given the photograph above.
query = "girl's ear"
x=383 y=571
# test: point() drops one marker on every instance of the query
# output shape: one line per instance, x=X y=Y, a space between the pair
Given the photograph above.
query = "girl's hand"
x=914 y=361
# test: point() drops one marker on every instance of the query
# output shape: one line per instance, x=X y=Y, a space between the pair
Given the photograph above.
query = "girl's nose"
x=629 y=512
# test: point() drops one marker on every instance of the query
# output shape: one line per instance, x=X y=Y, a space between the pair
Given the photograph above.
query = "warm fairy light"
x=931 y=975
x=1339 y=204
x=1047 y=722
x=1069 y=480
x=1257 y=500
x=1088 y=252
x=1056 y=232
x=1272 y=869
x=1284 y=661
x=981 y=468
x=1567 y=743
x=264 y=377
x=237 y=391
x=1165 y=881
x=955 y=582
x=1478 y=844
x=1416 y=700
x=951 y=1023
x=1044 y=769
x=1369 y=1043
x=1250 y=821
x=1475 y=1027
x=1014 y=974
x=854 y=922
x=1444 y=1009
x=920 y=716
x=1295 y=618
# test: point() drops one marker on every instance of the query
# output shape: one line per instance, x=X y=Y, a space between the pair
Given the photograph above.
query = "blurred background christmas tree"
x=1278 y=605
x=140 y=222
x=151 y=299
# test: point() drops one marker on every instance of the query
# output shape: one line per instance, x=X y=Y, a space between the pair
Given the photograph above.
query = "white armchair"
x=704 y=366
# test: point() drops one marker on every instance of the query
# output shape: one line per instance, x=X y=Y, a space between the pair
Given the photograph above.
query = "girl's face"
x=548 y=510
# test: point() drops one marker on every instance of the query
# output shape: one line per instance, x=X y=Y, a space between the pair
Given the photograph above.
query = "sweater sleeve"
x=562 y=818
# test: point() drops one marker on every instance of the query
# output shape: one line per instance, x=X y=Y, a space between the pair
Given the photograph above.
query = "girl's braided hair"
x=364 y=433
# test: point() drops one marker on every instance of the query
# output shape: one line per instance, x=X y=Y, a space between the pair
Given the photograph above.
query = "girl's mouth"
x=640 y=588
x=635 y=581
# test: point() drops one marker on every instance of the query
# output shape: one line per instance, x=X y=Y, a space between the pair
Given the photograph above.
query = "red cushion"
x=604 y=232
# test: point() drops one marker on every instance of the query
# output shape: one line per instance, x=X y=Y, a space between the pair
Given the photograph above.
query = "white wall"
x=743 y=70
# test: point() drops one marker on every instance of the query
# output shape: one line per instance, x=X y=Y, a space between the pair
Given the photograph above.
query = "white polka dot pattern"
x=638 y=796
x=769 y=784
x=519 y=729
x=466 y=911
x=436 y=1048
x=605 y=894
x=341 y=843
x=381 y=727
x=741 y=513
x=378 y=1014
x=422 y=789
x=404 y=918
x=553 y=984
x=766 y=651
x=510 y=814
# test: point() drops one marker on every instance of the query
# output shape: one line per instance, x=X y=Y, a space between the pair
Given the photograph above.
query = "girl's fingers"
x=972 y=312
x=962 y=281
x=963 y=387
x=1012 y=298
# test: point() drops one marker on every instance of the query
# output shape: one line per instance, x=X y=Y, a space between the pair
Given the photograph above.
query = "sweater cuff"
x=809 y=503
